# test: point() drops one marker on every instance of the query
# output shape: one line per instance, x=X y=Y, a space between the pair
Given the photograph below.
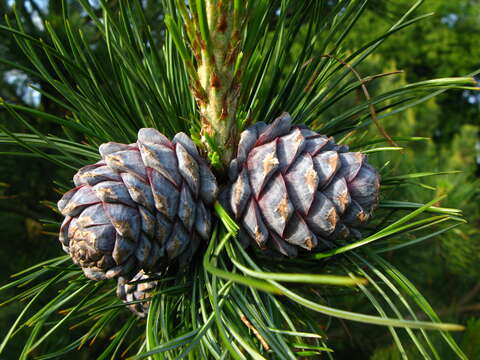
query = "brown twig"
x=454 y=310
x=469 y=308
x=469 y=296
x=255 y=332
x=371 y=107
x=373 y=77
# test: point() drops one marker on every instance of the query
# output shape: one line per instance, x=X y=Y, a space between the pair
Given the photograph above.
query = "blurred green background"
x=446 y=268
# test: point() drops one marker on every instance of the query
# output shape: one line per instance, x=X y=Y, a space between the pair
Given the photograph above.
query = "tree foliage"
x=107 y=69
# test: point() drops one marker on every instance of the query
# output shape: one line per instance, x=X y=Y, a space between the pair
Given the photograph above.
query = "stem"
x=215 y=24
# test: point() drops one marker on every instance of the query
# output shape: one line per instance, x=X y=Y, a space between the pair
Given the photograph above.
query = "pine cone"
x=140 y=207
x=141 y=287
x=292 y=188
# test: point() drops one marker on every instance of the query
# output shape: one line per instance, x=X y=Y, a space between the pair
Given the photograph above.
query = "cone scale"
x=137 y=292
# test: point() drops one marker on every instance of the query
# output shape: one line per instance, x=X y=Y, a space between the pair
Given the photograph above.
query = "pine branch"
x=213 y=32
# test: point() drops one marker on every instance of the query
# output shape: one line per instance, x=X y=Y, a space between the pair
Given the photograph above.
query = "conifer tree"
x=206 y=75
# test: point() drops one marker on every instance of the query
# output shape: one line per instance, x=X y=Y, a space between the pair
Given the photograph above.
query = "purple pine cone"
x=292 y=188
x=140 y=207
x=141 y=289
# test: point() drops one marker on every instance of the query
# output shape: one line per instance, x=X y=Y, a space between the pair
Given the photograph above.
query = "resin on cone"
x=139 y=290
x=140 y=207
x=293 y=189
